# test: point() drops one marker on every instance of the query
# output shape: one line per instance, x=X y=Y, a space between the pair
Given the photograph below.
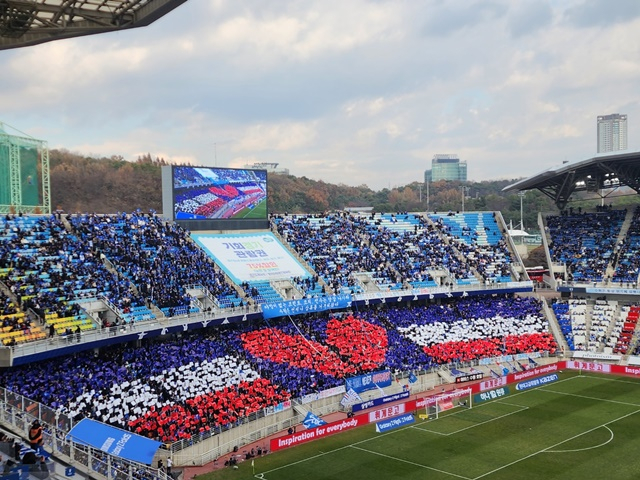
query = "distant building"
x=612 y=133
x=446 y=167
x=269 y=167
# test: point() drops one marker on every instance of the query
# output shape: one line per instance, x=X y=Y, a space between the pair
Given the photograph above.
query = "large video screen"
x=205 y=193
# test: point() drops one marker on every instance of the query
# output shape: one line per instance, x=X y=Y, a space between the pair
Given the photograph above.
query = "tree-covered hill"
x=106 y=185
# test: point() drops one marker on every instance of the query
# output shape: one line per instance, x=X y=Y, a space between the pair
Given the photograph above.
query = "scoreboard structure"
x=212 y=198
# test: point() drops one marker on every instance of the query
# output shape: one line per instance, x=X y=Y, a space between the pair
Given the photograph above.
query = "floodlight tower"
x=521 y=194
x=464 y=189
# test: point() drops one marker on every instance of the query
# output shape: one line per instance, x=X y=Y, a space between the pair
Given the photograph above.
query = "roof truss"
x=30 y=22
x=593 y=175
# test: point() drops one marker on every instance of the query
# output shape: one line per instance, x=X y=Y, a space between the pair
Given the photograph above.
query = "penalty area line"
x=410 y=462
x=544 y=450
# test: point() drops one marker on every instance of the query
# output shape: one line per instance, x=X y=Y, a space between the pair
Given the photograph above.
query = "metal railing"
x=17 y=413
x=89 y=336
x=57 y=342
x=440 y=290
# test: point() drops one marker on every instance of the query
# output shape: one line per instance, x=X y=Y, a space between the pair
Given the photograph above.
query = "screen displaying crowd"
x=217 y=193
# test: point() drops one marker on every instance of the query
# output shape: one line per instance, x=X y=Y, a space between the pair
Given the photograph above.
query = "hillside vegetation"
x=107 y=185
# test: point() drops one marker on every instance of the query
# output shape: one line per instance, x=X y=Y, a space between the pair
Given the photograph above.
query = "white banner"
x=249 y=257
x=612 y=290
x=591 y=367
x=596 y=355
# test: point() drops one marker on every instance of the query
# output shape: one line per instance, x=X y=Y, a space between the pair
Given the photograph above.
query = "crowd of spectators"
x=184 y=177
x=296 y=350
x=210 y=412
x=48 y=269
x=310 y=286
x=467 y=351
x=210 y=193
x=339 y=246
x=197 y=379
x=402 y=354
x=48 y=266
x=11 y=318
x=217 y=202
x=336 y=246
x=157 y=256
x=206 y=382
x=416 y=253
x=474 y=328
x=210 y=380
x=7 y=308
x=584 y=241
x=360 y=342
x=626 y=257
x=478 y=239
x=199 y=202
x=196 y=176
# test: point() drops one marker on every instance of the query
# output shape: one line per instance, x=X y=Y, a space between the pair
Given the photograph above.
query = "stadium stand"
x=336 y=246
x=625 y=328
x=158 y=258
x=413 y=247
x=585 y=242
x=214 y=379
x=626 y=258
x=50 y=271
x=471 y=329
x=398 y=250
x=601 y=326
x=202 y=383
x=262 y=292
x=477 y=237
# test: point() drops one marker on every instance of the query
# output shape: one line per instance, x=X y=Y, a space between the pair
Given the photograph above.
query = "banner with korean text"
x=376 y=402
x=250 y=257
x=369 y=381
x=305 y=305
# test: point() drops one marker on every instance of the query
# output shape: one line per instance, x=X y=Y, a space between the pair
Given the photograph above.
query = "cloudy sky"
x=354 y=92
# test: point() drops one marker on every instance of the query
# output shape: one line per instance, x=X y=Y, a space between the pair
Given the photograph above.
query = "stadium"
x=217 y=339
x=142 y=340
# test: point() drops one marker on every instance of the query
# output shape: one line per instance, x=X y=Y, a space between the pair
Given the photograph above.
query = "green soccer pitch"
x=260 y=211
x=581 y=427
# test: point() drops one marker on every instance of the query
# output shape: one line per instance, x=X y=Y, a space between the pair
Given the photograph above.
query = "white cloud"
x=300 y=32
x=352 y=92
x=282 y=137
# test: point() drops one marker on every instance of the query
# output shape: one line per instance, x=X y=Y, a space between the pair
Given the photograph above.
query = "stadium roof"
x=30 y=22
x=592 y=175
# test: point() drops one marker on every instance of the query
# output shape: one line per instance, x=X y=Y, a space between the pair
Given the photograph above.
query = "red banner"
x=317 y=432
x=420 y=403
x=516 y=377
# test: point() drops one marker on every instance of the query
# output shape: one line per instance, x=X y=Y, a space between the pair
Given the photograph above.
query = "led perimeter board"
x=212 y=198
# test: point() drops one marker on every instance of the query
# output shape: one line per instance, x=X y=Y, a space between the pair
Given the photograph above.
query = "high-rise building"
x=446 y=167
x=612 y=132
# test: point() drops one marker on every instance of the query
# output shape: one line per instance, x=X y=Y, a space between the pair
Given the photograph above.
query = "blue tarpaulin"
x=369 y=381
x=114 y=441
